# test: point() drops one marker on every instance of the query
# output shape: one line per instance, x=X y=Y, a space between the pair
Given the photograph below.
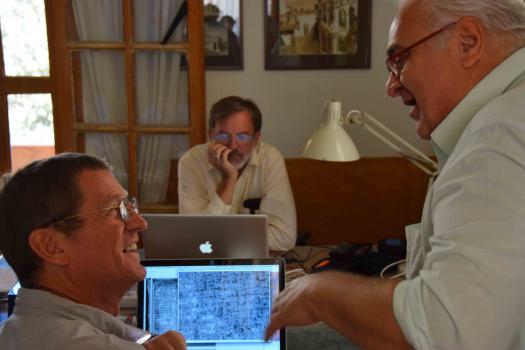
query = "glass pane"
x=24 y=38
x=113 y=147
x=30 y=128
x=100 y=87
x=96 y=20
x=162 y=88
x=157 y=157
x=154 y=18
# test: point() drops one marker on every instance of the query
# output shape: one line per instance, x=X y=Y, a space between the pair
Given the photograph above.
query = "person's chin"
x=240 y=163
x=422 y=130
x=134 y=265
x=139 y=273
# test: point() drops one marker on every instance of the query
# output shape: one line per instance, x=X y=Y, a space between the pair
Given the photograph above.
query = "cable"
x=401 y=274
x=289 y=274
x=395 y=263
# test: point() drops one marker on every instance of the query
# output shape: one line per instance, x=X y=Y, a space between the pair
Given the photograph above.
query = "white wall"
x=292 y=101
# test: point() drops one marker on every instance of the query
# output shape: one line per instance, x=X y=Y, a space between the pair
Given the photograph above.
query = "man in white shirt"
x=218 y=176
x=461 y=65
x=70 y=232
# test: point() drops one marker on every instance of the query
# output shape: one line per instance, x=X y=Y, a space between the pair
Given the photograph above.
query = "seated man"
x=70 y=232
x=233 y=166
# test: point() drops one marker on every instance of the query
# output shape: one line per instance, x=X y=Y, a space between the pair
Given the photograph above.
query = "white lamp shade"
x=331 y=143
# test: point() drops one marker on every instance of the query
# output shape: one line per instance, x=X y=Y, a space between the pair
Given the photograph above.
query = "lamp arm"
x=422 y=161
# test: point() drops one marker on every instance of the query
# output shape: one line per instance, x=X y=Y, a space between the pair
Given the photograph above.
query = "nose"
x=137 y=222
x=233 y=143
x=393 y=85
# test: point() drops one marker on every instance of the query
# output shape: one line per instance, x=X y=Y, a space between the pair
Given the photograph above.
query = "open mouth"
x=130 y=248
x=414 y=112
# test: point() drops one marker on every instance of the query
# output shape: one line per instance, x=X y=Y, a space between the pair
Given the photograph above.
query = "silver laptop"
x=188 y=236
x=215 y=303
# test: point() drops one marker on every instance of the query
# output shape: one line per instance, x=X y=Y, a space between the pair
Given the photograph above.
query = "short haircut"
x=227 y=106
x=498 y=16
x=36 y=196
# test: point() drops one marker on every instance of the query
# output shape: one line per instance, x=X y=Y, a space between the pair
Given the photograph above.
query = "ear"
x=257 y=137
x=48 y=245
x=472 y=41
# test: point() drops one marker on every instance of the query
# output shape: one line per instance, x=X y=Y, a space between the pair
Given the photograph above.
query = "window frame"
x=68 y=131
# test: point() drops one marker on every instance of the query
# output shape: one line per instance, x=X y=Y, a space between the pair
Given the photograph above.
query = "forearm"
x=361 y=309
x=225 y=190
x=281 y=237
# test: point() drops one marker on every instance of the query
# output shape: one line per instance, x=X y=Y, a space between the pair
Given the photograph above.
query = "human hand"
x=218 y=157
x=168 y=341
x=292 y=307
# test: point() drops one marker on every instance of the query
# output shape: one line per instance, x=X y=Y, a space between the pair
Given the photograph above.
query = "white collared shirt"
x=264 y=177
x=42 y=320
x=465 y=286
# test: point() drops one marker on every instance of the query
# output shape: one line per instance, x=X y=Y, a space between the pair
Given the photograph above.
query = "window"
x=26 y=122
x=118 y=93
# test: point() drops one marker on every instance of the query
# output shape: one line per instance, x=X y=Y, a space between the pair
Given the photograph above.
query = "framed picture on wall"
x=317 y=34
x=223 y=34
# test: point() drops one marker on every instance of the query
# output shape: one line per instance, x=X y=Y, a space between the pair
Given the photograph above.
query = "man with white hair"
x=218 y=176
x=461 y=65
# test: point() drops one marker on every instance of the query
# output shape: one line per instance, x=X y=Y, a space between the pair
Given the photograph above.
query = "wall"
x=292 y=101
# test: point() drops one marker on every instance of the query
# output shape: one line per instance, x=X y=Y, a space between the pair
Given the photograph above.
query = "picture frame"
x=223 y=42
x=317 y=34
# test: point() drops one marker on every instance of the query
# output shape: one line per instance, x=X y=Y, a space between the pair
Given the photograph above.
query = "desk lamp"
x=331 y=143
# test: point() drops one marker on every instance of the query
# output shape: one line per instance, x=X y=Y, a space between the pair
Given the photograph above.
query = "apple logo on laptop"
x=206 y=248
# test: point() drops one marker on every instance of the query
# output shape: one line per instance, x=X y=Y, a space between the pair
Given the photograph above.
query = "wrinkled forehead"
x=99 y=187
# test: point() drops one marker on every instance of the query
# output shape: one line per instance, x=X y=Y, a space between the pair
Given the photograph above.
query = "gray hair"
x=498 y=16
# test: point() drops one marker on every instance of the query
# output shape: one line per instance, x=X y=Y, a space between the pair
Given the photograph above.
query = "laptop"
x=190 y=236
x=215 y=303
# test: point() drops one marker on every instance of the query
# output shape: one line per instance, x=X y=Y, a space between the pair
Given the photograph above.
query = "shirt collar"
x=447 y=133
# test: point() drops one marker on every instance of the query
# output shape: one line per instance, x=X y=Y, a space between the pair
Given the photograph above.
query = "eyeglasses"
x=224 y=137
x=127 y=207
x=396 y=61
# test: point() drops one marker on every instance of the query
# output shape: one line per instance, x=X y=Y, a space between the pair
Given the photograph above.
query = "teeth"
x=131 y=247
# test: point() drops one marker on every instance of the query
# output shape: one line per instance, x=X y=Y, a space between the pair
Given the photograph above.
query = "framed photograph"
x=223 y=34
x=317 y=34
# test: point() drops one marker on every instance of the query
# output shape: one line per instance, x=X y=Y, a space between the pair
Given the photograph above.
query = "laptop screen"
x=215 y=304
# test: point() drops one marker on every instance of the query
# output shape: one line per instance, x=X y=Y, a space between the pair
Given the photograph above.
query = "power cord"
x=389 y=266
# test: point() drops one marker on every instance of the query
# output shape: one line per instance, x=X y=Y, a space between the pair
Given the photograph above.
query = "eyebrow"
x=241 y=132
x=113 y=198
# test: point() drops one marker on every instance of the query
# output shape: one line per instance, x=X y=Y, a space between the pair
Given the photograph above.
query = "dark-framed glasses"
x=126 y=208
x=396 y=61
x=224 y=137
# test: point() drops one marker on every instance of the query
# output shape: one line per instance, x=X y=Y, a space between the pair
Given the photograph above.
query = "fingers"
x=276 y=321
x=292 y=307
x=218 y=153
x=168 y=341
x=272 y=327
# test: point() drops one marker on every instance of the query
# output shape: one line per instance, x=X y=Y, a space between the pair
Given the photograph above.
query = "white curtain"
x=103 y=80
x=161 y=89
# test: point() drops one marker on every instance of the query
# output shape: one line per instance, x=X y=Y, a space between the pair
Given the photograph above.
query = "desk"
x=316 y=337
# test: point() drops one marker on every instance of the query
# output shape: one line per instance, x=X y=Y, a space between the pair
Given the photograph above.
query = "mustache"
x=235 y=153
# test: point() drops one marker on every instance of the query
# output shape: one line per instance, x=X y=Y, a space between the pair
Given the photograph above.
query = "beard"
x=238 y=159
